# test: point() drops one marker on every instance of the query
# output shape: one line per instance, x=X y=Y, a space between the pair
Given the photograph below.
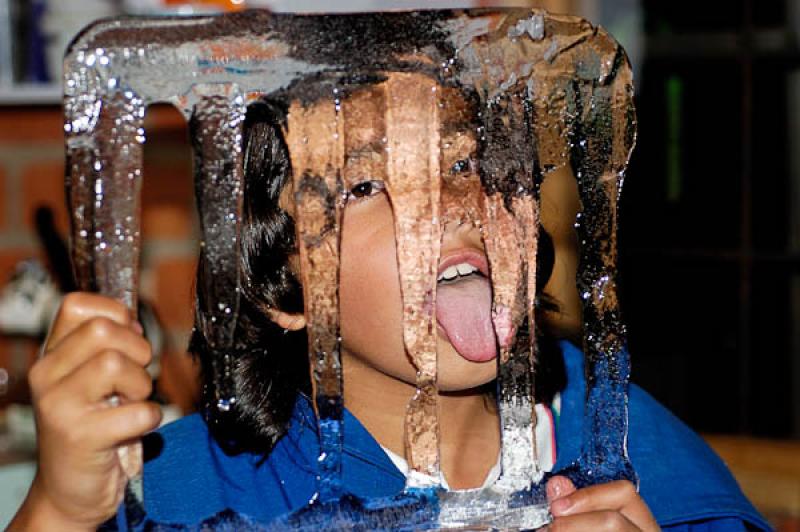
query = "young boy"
x=258 y=462
x=95 y=350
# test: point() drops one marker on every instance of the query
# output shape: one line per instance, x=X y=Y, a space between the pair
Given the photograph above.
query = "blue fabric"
x=681 y=478
x=191 y=480
x=723 y=524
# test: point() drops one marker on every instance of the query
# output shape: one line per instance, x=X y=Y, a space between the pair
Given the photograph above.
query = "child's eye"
x=366 y=189
x=464 y=165
x=459 y=166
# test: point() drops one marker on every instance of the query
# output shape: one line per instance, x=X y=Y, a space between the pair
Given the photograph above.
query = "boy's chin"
x=457 y=374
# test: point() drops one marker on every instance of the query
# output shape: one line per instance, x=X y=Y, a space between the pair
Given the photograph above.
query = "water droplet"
x=224 y=404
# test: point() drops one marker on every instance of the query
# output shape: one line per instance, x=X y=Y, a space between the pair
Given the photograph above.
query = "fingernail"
x=555 y=489
x=561 y=506
x=137 y=327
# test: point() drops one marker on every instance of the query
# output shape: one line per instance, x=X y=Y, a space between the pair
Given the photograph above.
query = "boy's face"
x=371 y=303
x=370 y=296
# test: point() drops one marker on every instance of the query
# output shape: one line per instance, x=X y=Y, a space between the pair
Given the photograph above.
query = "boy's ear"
x=287 y=321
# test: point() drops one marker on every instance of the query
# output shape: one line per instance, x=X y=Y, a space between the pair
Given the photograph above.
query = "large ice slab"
x=523 y=92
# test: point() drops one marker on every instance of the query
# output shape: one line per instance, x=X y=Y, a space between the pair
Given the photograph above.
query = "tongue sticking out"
x=464 y=310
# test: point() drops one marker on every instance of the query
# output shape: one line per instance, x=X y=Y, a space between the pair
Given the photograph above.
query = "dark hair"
x=271 y=365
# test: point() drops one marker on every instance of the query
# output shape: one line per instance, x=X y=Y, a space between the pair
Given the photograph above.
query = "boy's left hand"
x=613 y=506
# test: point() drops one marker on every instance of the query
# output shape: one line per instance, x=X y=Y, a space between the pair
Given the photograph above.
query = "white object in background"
x=15 y=479
x=20 y=428
x=6 y=44
x=63 y=19
x=29 y=301
x=158 y=7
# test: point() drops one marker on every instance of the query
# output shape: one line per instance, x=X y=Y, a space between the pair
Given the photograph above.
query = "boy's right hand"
x=94 y=350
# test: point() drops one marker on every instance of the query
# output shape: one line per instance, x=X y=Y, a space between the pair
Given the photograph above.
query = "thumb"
x=559 y=486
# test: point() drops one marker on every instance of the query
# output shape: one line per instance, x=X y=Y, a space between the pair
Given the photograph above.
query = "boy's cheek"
x=370 y=309
x=370 y=300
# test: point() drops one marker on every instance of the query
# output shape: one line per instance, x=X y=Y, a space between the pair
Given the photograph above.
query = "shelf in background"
x=774 y=42
x=31 y=94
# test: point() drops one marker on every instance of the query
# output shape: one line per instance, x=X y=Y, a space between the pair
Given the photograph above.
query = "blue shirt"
x=191 y=480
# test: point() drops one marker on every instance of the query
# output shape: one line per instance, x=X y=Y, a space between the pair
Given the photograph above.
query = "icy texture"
x=315 y=140
x=507 y=165
x=216 y=128
x=412 y=179
x=462 y=115
x=104 y=140
x=602 y=147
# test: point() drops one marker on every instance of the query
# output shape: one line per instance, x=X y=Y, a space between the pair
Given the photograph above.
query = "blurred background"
x=710 y=223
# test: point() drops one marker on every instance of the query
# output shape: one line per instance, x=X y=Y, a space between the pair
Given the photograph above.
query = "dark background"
x=710 y=260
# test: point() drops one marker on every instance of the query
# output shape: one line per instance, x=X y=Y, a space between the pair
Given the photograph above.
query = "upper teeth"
x=457 y=270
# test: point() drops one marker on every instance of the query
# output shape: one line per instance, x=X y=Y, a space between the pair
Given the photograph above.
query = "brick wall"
x=32 y=175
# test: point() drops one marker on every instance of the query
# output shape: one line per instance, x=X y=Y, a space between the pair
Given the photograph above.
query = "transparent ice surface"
x=318 y=196
x=104 y=146
x=524 y=92
x=216 y=128
x=412 y=182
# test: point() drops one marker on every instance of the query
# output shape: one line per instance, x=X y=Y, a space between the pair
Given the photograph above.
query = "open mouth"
x=458 y=267
x=464 y=304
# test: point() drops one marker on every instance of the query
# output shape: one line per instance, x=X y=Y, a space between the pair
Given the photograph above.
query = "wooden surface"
x=768 y=472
